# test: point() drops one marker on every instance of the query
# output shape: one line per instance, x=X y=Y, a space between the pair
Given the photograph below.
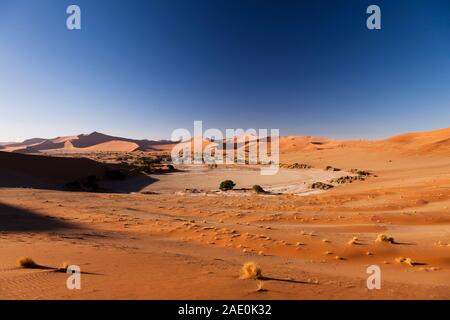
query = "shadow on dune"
x=52 y=269
x=13 y=219
x=285 y=280
x=58 y=173
x=130 y=184
x=404 y=243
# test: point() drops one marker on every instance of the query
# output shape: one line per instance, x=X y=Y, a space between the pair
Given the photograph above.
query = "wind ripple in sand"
x=30 y=284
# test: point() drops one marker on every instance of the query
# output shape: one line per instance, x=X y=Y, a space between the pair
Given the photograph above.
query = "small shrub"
x=64 y=267
x=361 y=172
x=296 y=166
x=321 y=186
x=260 y=286
x=227 y=185
x=348 y=179
x=27 y=263
x=258 y=189
x=384 y=238
x=407 y=261
x=149 y=160
x=251 y=270
x=330 y=168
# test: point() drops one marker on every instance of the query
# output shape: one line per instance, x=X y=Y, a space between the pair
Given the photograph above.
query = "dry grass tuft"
x=64 y=267
x=259 y=286
x=407 y=261
x=353 y=241
x=27 y=263
x=251 y=270
x=384 y=238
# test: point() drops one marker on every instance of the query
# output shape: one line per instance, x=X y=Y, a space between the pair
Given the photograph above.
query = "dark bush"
x=149 y=160
x=321 y=186
x=227 y=185
x=330 y=168
x=258 y=189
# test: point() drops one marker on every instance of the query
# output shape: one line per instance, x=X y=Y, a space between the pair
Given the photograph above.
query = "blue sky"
x=144 y=68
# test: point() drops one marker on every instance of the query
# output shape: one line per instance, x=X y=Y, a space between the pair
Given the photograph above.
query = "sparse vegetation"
x=361 y=172
x=321 y=186
x=407 y=261
x=227 y=185
x=347 y=179
x=295 y=166
x=258 y=189
x=251 y=270
x=150 y=160
x=361 y=175
x=330 y=168
x=27 y=263
x=260 y=286
x=64 y=267
x=384 y=238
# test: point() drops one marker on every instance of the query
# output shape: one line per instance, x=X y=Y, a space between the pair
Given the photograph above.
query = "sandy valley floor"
x=164 y=243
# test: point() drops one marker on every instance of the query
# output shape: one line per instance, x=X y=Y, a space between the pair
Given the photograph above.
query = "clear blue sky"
x=143 y=68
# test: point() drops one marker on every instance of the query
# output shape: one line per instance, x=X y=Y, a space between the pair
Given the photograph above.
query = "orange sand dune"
x=85 y=143
x=432 y=142
x=386 y=154
x=114 y=146
x=423 y=142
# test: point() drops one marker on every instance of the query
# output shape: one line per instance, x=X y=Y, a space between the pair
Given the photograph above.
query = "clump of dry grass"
x=27 y=263
x=353 y=241
x=407 y=261
x=64 y=267
x=251 y=270
x=384 y=238
x=259 y=286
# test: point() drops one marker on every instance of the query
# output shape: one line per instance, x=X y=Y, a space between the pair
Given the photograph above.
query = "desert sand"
x=173 y=235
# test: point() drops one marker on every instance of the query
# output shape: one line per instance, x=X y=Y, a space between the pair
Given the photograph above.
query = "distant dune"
x=94 y=142
x=422 y=143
